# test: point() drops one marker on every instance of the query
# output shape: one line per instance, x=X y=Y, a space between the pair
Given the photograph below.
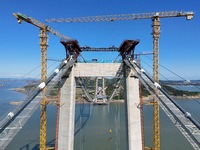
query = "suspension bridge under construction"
x=127 y=72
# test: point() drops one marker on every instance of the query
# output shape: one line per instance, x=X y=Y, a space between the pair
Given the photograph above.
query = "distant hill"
x=180 y=82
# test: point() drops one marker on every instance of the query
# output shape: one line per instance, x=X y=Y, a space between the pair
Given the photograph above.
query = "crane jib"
x=189 y=15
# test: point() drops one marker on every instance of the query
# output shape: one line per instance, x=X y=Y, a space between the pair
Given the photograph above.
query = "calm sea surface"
x=7 y=94
x=187 y=88
x=92 y=125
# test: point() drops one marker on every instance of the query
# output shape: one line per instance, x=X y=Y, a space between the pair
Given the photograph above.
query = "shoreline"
x=19 y=90
x=78 y=101
x=22 y=90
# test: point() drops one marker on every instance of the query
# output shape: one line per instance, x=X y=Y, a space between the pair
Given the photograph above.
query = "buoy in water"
x=110 y=131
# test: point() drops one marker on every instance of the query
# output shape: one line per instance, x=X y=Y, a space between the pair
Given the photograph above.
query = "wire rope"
x=119 y=127
x=81 y=124
x=110 y=126
x=30 y=71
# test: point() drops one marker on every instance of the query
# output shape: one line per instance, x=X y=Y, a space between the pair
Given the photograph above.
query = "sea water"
x=7 y=94
x=187 y=88
x=96 y=127
x=92 y=130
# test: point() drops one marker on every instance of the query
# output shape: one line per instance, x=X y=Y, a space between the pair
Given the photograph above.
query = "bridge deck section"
x=9 y=132
x=133 y=113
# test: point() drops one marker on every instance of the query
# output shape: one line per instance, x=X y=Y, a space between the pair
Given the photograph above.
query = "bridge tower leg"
x=67 y=114
x=132 y=111
x=156 y=113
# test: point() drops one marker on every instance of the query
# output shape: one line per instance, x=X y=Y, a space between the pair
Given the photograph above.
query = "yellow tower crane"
x=44 y=29
x=155 y=16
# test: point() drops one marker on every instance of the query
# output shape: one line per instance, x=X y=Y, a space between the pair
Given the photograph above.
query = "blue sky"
x=179 y=40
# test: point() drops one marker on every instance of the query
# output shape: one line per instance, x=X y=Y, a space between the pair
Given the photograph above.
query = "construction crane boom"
x=165 y=14
x=39 y=24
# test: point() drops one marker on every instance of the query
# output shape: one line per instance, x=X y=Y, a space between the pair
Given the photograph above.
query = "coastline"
x=19 y=90
x=22 y=90
x=52 y=99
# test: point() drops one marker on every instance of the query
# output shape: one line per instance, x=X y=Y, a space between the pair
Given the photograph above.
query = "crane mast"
x=156 y=113
x=44 y=29
x=155 y=17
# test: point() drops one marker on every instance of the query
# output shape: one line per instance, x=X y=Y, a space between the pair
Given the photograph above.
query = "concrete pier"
x=67 y=114
x=134 y=133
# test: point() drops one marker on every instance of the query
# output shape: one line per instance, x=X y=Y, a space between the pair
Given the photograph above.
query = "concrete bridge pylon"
x=132 y=111
x=67 y=103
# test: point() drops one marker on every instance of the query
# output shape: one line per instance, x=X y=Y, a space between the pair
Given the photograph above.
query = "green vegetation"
x=54 y=92
x=110 y=83
x=29 y=87
x=145 y=92
x=175 y=92
x=172 y=91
